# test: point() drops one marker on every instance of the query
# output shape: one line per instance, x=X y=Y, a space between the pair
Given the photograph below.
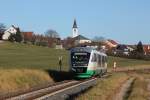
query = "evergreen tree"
x=140 y=48
x=18 y=36
x=12 y=37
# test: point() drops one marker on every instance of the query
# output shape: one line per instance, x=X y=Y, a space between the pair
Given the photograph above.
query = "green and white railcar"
x=86 y=62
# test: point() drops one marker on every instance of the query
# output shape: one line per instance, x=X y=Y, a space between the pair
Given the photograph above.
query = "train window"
x=103 y=61
x=94 y=58
x=97 y=57
x=99 y=61
x=80 y=59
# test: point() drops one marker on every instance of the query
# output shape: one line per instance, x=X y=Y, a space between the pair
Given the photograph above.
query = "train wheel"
x=100 y=75
x=105 y=71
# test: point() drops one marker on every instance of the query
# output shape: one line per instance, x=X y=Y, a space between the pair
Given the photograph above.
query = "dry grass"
x=22 y=66
x=139 y=89
x=13 y=79
x=105 y=88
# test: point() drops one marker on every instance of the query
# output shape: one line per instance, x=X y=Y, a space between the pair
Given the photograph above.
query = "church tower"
x=75 y=29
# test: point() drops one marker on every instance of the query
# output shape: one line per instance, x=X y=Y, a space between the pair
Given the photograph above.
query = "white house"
x=81 y=39
x=8 y=32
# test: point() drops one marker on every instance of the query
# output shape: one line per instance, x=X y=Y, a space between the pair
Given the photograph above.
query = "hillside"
x=14 y=55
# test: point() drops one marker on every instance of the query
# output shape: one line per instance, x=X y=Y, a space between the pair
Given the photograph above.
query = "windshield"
x=80 y=58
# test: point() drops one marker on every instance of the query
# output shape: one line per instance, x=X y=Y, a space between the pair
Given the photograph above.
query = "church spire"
x=75 y=29
x=74 y=24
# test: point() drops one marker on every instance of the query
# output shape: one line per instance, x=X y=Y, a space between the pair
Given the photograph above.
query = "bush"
x=11 y=38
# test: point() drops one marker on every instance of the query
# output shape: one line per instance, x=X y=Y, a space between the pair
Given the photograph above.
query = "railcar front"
x=79 y=62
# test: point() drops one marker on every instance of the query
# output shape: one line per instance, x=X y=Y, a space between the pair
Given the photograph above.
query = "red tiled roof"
x=27 y=34
x=146 y=48
x=113 y=42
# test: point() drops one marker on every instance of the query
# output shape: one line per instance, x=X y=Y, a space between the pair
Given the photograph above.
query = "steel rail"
x=43 y=91
x=65 y=93
x=64 y=89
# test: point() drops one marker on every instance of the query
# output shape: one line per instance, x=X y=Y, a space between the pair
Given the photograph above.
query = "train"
x=86 y=62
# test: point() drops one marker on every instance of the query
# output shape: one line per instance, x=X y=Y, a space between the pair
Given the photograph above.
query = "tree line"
x=49 y=38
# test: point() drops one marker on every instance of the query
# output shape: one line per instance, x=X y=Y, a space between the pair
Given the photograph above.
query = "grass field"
x=124 y=62
x=24 y=65
x=14 y=55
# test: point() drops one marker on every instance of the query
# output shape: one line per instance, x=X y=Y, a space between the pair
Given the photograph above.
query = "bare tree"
x=99 y=39
x=68 y=43
x=2 y=29
x=52 y=33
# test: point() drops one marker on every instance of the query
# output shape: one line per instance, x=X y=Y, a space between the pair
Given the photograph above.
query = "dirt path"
x=142 y=85
x=124 y=89
x=1 y=41
x=141 y=76
x=148 y=87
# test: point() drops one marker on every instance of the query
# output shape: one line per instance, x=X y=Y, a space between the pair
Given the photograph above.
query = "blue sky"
x=126 y=21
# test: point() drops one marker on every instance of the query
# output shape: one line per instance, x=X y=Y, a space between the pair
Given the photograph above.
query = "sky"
x=125 y=21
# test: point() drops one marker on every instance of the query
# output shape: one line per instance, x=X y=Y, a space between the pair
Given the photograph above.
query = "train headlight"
x=80 y=70
x=73 y=69
x=86 y=64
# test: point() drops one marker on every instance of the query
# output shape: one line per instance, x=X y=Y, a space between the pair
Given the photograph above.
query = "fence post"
x=114 y=67
x=60 y=63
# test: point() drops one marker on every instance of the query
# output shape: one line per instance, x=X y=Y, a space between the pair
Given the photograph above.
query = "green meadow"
x=125 y=62
x=15 y=55
x=24 y=66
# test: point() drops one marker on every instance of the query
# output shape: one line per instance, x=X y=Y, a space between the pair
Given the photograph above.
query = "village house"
x=10 y=31
x=27 y=36
x=146 y=49
x=81 y=39
x=111 y=43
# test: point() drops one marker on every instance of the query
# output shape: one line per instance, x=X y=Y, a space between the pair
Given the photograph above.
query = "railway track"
x=59 y=91
x=62 y=90
x=4 y=96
